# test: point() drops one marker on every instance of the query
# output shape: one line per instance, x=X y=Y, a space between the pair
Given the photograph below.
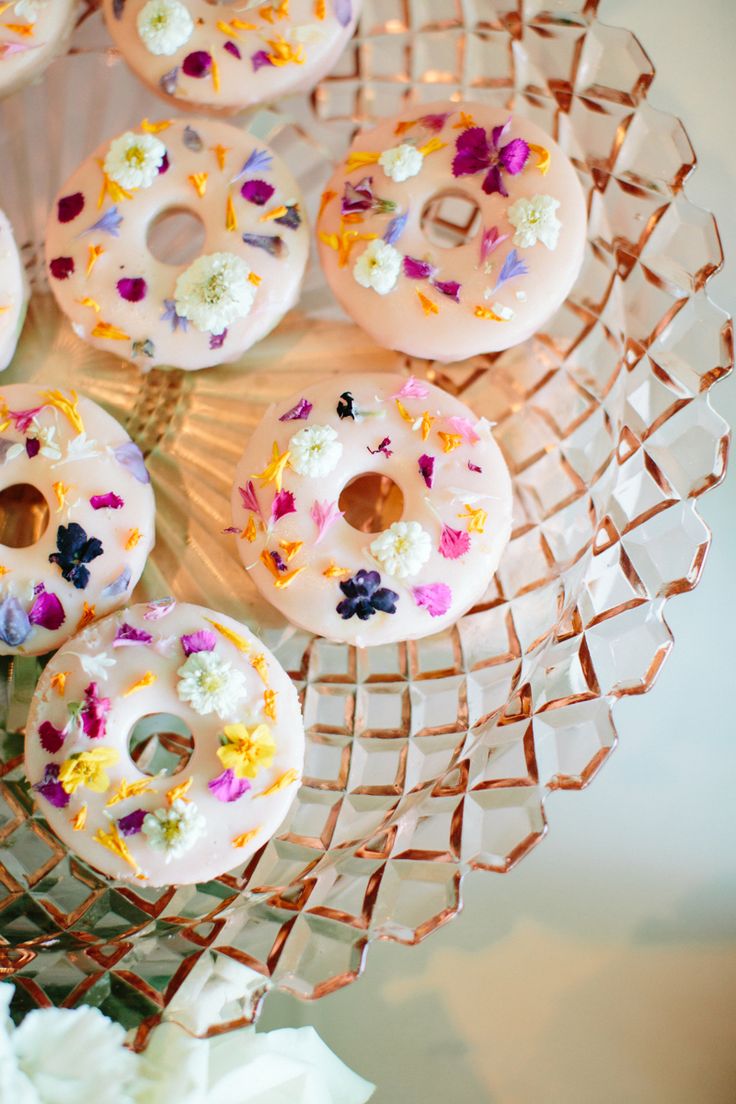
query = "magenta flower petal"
x=51 y=788
x=259 y=59
x=297 y=413
x=283 y=504
x=412 y=389
x=22 y=419
x=490 y=240
x=226 y=787
x=47 y=610
x=218 y=340
x=62 y=268
x=201 y=641
x=474 y=467
x=324 y=515
x=107 y=501
x=257 y=191
x=453 y=543
x=358 y=197
x=197 y=64
x=494 y=182
x=249 y=500
x=450 y=288
x=70 y=206
x=383 y=448
x=127 y=635
x=165 y=165
x=94 y=712
x=132 y=823
x=417 y=270
x=436 y=598
x=472 y=152
x=33 y=447
x=51 y=737
x=435 y=122
x=514 y=156
x=426 y=469
x=233 y=49
x=132 y=289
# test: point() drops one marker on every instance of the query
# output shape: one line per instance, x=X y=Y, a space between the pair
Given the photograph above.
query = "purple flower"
x=426 y=469
x=292 y=220
x=131 y=823
x=109 y=223
x=226 y=787
x=474 y=467
x=46 y=611
x=271 y=243
x=396 y=228
x=343 y=11
x=171 y=316
x=192 y=139
x=119 y=585
x=218 y=340
x=201 y=641
x=132 y=289
x=131 y=457
x=258 y=160
x=51 y=788
x=475 y=152
x=107 y=501
x=365 y=596
x=165 y=164
x=51 y=737
x=417 y=270
x=257 y=191
x=75 y=550
x=197 y=64
x=259 y=59
x=283 y=504
x=61 y=268
x=233 y=49
x=14 y=622
x=512 y=267
x=249 y=498
x=69 y=207
x=168 y=81
x=450 y=288
x=94 y=712
x=358 y=197
x=127 y=635
x=33 y=447
x=297 y=413
x=436 y=598
x=383 y=448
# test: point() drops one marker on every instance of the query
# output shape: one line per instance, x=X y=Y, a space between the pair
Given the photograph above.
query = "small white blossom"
x=133 y=160
x=401 y=162
x=214 y=292
x=378 y=267
x=505 y=313
x=315 y=451
x=535 y=220
x=402 y=549
x=174 y=829
x=45 y=437
x=164 y=26
x=96 y=666
x=211 y=685
x=29 y=9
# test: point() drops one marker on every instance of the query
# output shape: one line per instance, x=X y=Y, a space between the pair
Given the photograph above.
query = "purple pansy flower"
x=201 y=641
x=227 y=787
x=94 y=712
x=61 y=268
x=365 y=596
x=51 y=788
x=69 y=207
x=47 y=610
x=132 y=288
x=197 y=64
x=475 y=152
x=297 y=413
x=75 y=550
x=127 y=635
x=51 y=737
x=257 y=191
x=107 y=501
x=131 y=823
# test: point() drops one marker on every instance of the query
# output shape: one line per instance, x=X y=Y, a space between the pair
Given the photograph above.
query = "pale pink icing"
x=311 y=599
x=214 y=852
x=13 y=293
x=240 y=83
x=97 y=471
x=127 y=255
x=25 y=56
x=397 y=320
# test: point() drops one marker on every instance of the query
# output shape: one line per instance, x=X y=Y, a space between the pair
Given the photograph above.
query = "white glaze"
x=24 y=56
x=13 y=293
x=128 y=255
x=240 y=85
x=397 y=320
x=214 y=851
x=96 y=472
x=310 y=600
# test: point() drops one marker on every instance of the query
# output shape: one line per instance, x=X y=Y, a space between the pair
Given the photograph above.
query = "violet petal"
x=128 y=635
x=132 y=823
x=226 y=787
x=131 y=457
x=50 y=787
x=426 y=469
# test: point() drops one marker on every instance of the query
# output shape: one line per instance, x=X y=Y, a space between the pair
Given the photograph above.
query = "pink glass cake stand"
x=430 y=759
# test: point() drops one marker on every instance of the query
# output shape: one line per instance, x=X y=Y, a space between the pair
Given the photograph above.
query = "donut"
x=120 y=298
x=144 y=666
x=32 y=34
x=13 y=293
x=452 y=230
x=299 y=497
x=220 y=57
x=59 y=448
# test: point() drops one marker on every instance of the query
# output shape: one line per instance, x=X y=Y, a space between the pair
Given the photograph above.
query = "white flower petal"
x=164 y=26
x=378 y=267
x=214 y=292
x=401 y=162
x=535 y=220
x=315 y=451
x=403 y=549
x=133 y=160
x=210 y=684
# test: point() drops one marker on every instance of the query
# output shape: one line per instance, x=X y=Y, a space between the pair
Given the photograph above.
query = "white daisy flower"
x=315 y=450
x=535 y=220
x=133 y=160
x=378 y=267
x=402 y=549
x=211 y=685
x=214 y=292
x=401 y=162
x=164 y=26
x=175 y=829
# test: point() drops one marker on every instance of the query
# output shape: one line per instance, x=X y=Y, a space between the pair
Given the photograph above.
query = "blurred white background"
x=603 y=969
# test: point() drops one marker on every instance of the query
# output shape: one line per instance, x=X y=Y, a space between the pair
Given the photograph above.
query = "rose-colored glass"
x=430 y=759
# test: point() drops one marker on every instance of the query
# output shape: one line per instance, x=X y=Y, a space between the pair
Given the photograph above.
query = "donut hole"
x=371 y=502
x=160 y=743
x=176 y=236
x=24 y=515
x=450 y=219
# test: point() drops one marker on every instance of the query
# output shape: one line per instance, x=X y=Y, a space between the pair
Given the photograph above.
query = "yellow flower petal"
x=88 y=615
x=155 y=128
x=130 y=789
x=108 y=332
x=114 y=842
x=477 y=519
x=274 y=470
x=219 y=152
x=199 y=182
x=544 y=160
x=245 y=837
x=432 y=146
x=231 y=221
x=58 y=682
x=260 y=665
x=92 y=303
x=327 y=197
x=249 y=533
x=450 y=441
x=145 y=680
x=134 y=537
x=269 y=704
x=65 y=406
x=178 y=793
x=335 y=572
x=286 y=779
x=94 y=254
x=79 y=820
x=291 y=548
x=239 y=641
x=488 y=315
x=360 y=158
x=428 y=306
x=274 y=213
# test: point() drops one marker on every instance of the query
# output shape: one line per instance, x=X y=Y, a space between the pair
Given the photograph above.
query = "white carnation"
x=535 y=220
x=378 y=267
x=211 y=685
x=174 y=829
x=214 y=292
x=315 y=450
x=401 y=162
x=402 y=549
x=133 y=160
x=164 y=26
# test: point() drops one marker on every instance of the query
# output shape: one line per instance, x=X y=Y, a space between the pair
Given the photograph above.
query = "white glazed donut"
x=13 y=293
x=248 y=744
x=101 y=516
x=416 y=577
x=120 y=298
x=224 y=57
x=489 y=292
x=32 y=34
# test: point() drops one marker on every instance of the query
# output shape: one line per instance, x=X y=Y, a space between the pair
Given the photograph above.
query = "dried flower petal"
x=228 y=787
x=70 y=207
x=426 y=469
x=47 y=610
x=61 y=268
x=128 y=635
x=324 y=515
x=417 y=270
x=131 y=823
x=197 y=64
x=107 y=501
x=453 y=543
x=298 y=413
x=132 y=288
x=51 y=737
x=436 y=598
x=257 y=191
x=201 y=641
x=50 y=787
x=283 y=503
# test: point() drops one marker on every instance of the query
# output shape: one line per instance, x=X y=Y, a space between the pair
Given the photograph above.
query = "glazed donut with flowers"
x=101 y=516
x=122 y=299
x=32 y=34
x=225 y=57
x=248 y=744
x=415 y=577
x=13 y=293
x=504 y=279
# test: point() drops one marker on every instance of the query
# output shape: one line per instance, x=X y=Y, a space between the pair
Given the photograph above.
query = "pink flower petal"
x=47 y=610
x=156 y=610
x=108 y=501
x=51 y=737
x=324 y=515
x=94 y=712
x=465 y=428
x=453 y=543
x=127 y=636
x=436 y=598
x=412 y=389
x=226 y=787
x=249 y=499
x=201 y=641
x=426 y=469
x=297 y=413
x=283 y=504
